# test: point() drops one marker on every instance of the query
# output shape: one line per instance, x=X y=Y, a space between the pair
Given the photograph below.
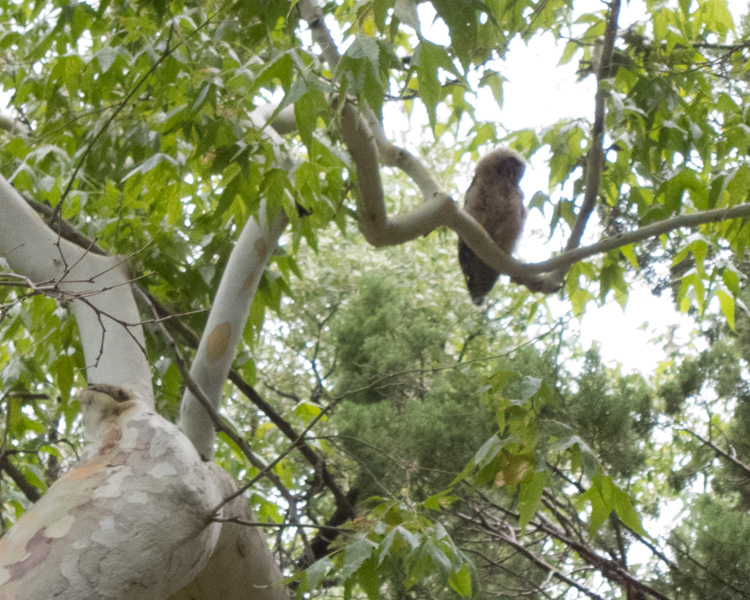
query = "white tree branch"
x=226 y=322
x=312 y=14
x=438 y=209
x=97 y=288
x=364 y=137
x=234 y=297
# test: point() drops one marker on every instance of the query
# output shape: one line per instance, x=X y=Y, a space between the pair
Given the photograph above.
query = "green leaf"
x=726 y=301
x=530 y=493
x=600 y=509
x=439 y=558
x=151 y=163
x=626 y=511
x=406 y=12
x=529 y=387
x=731 y=279
x=106 y=58
x=629 y=253
x=460 y=582
x=568 y=53
x=64 y=368
x=427 y=77
x=314 y=573
x=489 y=450
x=202 y=96
x=539 y=200
x=279 y=70
x=355 y=554
x=369 y=579
x=440 y=500
x=605 y=497
x=495 y=82
x=362 y=61
x=461 y=19
x=305 y=114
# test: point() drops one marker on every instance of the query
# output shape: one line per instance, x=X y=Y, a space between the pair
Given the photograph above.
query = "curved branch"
x=439 y=209
x=231 y=306
x=365 y=139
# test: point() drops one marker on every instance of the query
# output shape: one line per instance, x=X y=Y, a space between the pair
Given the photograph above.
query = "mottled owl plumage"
x=496 y=202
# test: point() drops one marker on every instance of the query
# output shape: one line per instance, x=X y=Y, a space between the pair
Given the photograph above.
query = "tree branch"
x=226 y=322
x=610 y=569
x=643 y=233
x=28 y=490
x=99 y=287
x=364 y=137
x=535 y=560
x=216 y=419
x=732 y=458
x=168 y=320
x=595 y=157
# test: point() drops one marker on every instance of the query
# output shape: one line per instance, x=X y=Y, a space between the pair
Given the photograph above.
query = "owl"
x=496 y=202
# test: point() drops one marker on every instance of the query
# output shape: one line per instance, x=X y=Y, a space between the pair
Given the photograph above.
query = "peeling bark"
x=132 y=521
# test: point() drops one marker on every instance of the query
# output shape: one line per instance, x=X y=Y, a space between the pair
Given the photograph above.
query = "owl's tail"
x=479 y=276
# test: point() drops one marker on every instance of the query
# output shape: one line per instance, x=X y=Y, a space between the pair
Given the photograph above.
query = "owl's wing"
x=479 y=277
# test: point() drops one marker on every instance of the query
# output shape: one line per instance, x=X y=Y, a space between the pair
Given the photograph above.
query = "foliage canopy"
x=487 y=453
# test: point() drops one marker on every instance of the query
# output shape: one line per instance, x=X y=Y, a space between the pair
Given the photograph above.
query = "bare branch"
x=732 y=458
x=536 y=560
x=625 y=239
x=595 y=157
x=28 y=490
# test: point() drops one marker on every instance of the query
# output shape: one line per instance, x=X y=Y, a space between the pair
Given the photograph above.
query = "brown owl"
x=496 y=202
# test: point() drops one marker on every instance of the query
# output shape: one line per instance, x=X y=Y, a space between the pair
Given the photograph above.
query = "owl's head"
x=505 y=162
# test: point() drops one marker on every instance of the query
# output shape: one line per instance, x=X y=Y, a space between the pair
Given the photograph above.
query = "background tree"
x=392 y=439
